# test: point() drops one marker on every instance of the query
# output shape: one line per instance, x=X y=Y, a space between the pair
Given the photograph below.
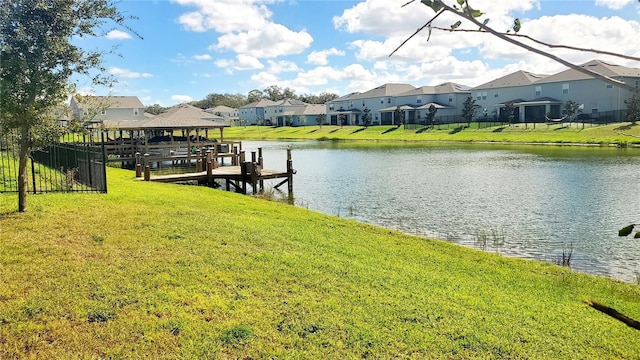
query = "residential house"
x=101 y=109
x=447 y=99
x=254 y=113
x=285 y=112
x=540 y=97
x=381 y=101
x=229 y=114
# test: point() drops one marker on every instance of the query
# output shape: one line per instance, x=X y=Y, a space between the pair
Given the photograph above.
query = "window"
x=450 y=99
x=136 y=112
x=594 y=110
x=362 y=103
x=381 y=100
x=565 y=89
x=388 y=100
x=479 y=96
x=484 y=95
x=538 y=90
x=419 y=99
x=637 y=83
x=609 y=86
x=496 y=94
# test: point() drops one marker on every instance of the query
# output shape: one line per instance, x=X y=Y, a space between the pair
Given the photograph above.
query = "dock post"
x=242 y=157
x=289 y=173
x=209 y=173
x=138 y=165
x=243 y=176
x=261 y=164
x=147 y=168
x=209 y=158
x=198 y=160
x=234 y=158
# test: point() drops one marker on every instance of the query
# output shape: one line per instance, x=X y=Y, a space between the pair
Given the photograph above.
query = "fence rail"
x=70 y=165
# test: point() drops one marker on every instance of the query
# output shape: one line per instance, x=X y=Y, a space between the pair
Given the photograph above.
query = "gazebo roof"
x=183 y=116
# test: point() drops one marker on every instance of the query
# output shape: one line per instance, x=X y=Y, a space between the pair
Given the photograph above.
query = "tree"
x=343 y=119
x=320 y=118
x=431 y=115
x=510 y=112
x=633 y=108
x=398 y=116
x=469 y=109
x=288 y=120
x=571 y=108
x=466 y=12
x=37 y=61
x=366 y=117
x=254 y=96
x=155 y=109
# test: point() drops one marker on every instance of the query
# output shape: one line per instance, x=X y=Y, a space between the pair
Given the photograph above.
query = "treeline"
x=273 y=93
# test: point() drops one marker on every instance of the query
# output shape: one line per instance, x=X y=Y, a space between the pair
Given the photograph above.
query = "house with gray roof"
x=228 y=113
x=538 y=97
x=351 y=107
x=97 y=109
x=254 y=113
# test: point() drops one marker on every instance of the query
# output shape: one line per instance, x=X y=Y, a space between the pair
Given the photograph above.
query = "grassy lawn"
x=183 y=272
x=567 y=133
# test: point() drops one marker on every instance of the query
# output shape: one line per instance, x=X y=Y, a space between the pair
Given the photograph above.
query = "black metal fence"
x=74 y=164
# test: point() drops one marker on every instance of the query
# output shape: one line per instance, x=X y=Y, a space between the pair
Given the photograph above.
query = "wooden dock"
x=240 y=176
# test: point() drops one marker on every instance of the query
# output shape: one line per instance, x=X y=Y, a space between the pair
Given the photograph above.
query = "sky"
x=187 y=49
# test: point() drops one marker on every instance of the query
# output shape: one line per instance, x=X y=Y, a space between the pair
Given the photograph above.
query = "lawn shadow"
x=500 y=129
x=332 y=131
x=420 y=131
x=626 y=127
x=390 y=130
x=357 y=130
x=312 y=131
x=456 y=130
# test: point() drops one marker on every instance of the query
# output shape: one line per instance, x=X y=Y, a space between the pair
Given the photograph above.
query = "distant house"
x=227 y=113
x=98 y=109
x=254 y=113
x=536 y=97
x=285 y=112
x=384 y=101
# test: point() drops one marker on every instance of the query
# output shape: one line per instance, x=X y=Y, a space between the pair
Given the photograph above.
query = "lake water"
x=532 y=202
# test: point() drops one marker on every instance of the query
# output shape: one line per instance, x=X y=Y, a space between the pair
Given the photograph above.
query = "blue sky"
x=191 y=48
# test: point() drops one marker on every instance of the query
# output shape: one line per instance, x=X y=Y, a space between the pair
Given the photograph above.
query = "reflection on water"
x=525 y=201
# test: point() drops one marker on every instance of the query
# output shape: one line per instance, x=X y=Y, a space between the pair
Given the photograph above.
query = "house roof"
x=289 y=102
x=435 y=105
x=183 y=116
x=518 y=78
x=384 y=90
x=258 y=104
x=393 y=108
x=601 y=67
x=314 y=109
x=221 y=109
x=344 y=97
x=122 y=102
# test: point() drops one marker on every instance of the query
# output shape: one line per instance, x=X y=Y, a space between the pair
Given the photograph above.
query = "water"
x=532 y=202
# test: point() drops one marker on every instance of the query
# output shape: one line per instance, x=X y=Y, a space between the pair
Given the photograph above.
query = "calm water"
x=526 y=201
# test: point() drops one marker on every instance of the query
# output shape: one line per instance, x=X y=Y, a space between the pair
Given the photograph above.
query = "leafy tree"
x=273 y=93
x=398 y=116
x=37 y=61
x=321 y=98
x=214 y=99
x=343 y=119
x=431 y=115
x=366 y=117
x=633 y=108
x=320 y=119
x=155 y=109
x=571 y=108
x=288 y=120
x=469 y=109
x=254 y=96
x=259 y=121
x=510 y=112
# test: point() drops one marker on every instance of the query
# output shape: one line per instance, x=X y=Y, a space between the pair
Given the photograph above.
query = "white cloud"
x=614 y=4
x=320 y=57
x=241 y=62
x=253 y=33
x=268 y=42
x=282 y=66
x=202 y=57
x=118 y=35
x=181 y=99
x=126 y=73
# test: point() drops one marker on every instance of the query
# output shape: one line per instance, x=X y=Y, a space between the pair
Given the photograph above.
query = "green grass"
x=623 y=134
x=183 y=272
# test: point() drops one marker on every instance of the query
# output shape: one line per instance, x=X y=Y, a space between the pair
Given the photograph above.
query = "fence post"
x=147 y=168
x=138 y=165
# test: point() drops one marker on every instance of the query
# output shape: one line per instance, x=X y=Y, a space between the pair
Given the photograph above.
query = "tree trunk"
x=22 y=169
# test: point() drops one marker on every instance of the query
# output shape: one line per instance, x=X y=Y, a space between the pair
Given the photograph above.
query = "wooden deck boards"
x=224 y=172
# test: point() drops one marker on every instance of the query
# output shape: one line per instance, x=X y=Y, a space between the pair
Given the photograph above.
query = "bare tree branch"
x=532 y=49
x=416 y=32
x=614 y=314
x=553 y=46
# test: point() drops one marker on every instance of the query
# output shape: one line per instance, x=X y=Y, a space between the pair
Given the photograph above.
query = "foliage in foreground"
x=170 y=271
